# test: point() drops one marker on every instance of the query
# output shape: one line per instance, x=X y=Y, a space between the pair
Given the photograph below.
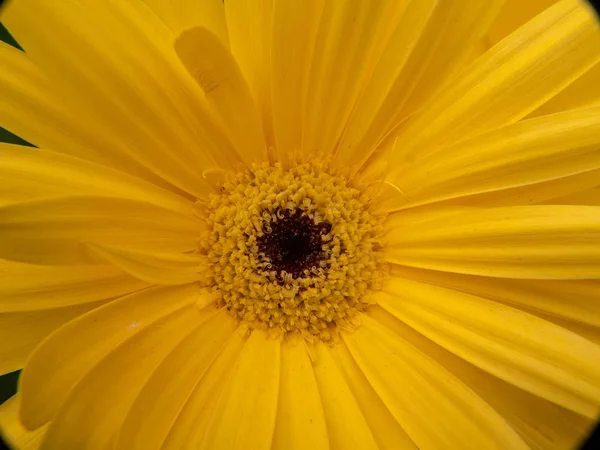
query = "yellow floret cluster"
x=321 y=299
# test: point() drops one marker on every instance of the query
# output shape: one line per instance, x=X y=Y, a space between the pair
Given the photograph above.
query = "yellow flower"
x=300 y=224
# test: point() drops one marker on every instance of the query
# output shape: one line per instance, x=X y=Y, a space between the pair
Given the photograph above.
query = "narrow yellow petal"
x=13 y=432
x=347 y=45
x=530 y=194
x=155 y=268
x=181 y=15
x=514 y=13
x=22 y=331
x=250 y=25
x=589 y=197
x=528 y=152
x=295 y=26
x=249 y=400
x=509 y=81
x=137 y=93
x=83 y=342
x=589 y=332
x=94 y=409
x=541 y=424
x=434 y=407
x=539 y=242
x=27 y=93
x=52 y=231
x=518 y=347
x=451 y=37
x=28 y=287
x=582 y=92
x=572 y=300
x=194 y=419
x=300 y=421
x=389 y=86
x=388 y=433
x=161 y=399
x=430 y=44
x=452 y=34
x=346 y=425
x=219 y=76
x=27 y=174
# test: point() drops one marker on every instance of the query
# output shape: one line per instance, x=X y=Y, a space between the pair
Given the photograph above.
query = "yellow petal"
x=250 y=24
x=13 y=431
x=73 y=350
x=572 y=300
x=157 y=406
x=155 y=268
x=540 y=242
x=52 y=231
x=586 y=197
x=348 y=43
x=27 y=174
x=195 y=417
x=435 y=408
x=583 y=92
x=28 y=287
x=295 y=26
x=589 y=332
x=509 y=81
x=516 y=346
x=300 y=421
x=22 y=331
x=528 y=152
x=389 y=86
x=217 y=73
x=180 y=15
x=94 y=409
x=27 y=93
x=531 y=194
x=136 y=93
x=541 y=424
x=452 y=34
x=346 y=425
x=514 y=13
x=24 y=89
x=249 y=399
x=431 y=42
x=386 y=430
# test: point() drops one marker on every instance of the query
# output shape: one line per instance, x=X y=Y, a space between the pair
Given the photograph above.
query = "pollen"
x=294 y=250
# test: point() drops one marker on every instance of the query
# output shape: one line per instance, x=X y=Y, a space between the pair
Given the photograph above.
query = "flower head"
x=300 y=224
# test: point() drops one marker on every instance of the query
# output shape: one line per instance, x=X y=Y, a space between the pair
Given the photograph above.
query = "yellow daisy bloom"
x=300 y=224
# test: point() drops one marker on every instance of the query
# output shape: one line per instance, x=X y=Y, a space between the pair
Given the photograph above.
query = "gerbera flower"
x=297 y=224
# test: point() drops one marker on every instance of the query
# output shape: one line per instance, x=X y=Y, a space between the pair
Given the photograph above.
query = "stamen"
x=295 y=250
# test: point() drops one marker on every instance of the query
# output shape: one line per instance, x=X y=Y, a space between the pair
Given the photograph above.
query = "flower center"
x=293 y=250
x=293 y=243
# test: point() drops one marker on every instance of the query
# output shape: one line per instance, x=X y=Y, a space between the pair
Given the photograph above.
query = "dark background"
x=8 y=382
